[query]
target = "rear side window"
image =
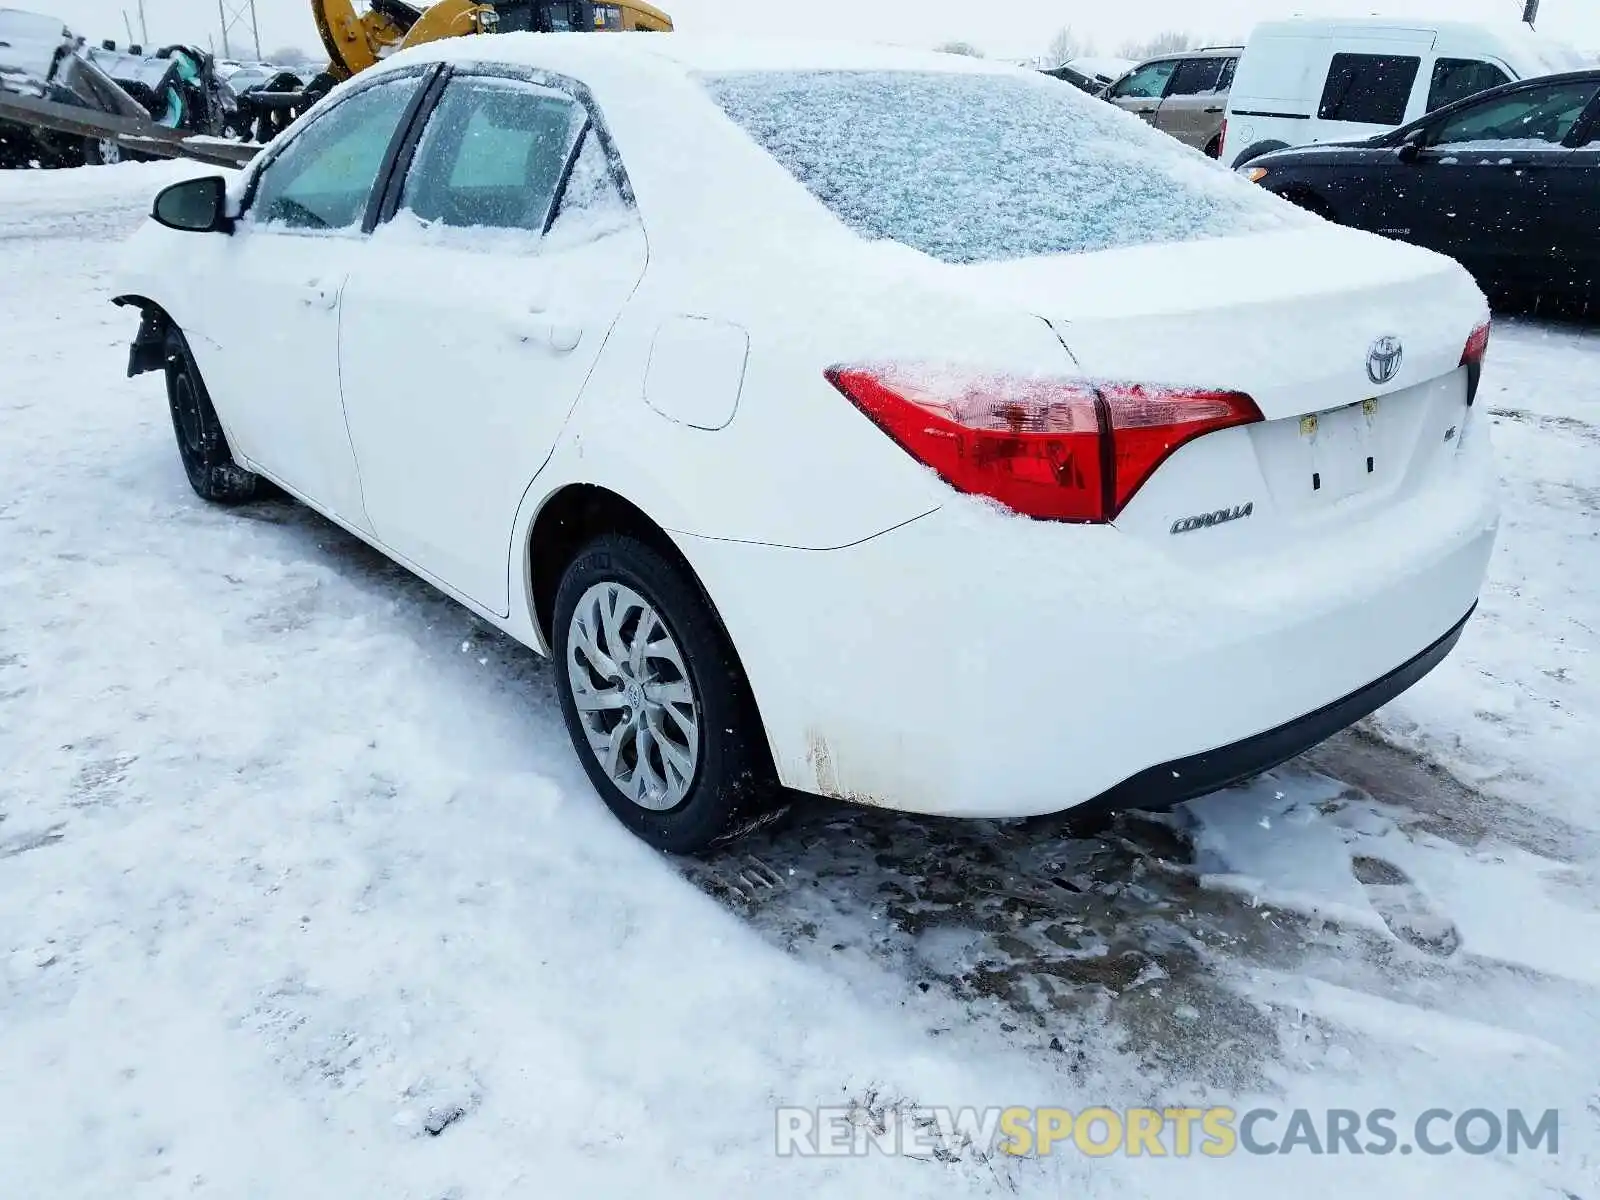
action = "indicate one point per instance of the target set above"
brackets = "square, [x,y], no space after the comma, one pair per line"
[492,155]
[1457,78]
[1196,77]
[1370,89]
[976,168]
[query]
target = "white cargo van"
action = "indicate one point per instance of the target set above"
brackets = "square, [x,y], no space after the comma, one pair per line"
[1304,80]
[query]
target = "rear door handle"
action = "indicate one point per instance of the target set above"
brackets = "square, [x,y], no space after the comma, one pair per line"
[319,293]
[543,329]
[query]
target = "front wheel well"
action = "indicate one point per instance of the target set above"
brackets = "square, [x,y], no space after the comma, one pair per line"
[1256,150]
[148,352]
[1307,198]
[574,516]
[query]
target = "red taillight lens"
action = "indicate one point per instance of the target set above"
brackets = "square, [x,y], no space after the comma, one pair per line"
[1477,345]
[1222,140]
[1053,449]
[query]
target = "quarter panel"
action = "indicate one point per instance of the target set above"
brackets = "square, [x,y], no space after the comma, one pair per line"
[797,464]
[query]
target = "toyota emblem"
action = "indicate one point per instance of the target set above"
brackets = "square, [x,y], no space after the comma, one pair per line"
[1384,358]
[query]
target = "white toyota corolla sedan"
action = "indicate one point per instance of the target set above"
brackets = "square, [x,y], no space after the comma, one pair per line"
[892,426]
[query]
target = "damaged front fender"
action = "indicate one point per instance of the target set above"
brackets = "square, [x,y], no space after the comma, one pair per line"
[148,352]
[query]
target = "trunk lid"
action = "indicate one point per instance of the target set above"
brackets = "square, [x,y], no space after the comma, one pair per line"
[1294,320]
[1288,318]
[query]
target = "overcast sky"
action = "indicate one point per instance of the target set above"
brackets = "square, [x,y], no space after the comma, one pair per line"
[1013,28]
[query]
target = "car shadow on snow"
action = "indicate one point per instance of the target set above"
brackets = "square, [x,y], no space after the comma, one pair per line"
[1069,935]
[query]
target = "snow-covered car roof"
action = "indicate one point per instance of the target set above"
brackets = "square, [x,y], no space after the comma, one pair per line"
[1101,68]
[695,52]
[732,144]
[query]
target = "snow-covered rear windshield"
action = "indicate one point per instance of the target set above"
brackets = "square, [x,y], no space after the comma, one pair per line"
[976,168]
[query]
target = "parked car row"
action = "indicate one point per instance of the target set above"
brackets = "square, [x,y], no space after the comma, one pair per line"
[1507,183]
[1304,81]
[1479,141]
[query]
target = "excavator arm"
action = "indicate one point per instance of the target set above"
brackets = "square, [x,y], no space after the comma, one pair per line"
[355,41]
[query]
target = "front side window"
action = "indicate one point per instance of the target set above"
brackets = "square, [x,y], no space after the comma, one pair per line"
[1196,77]
[1149,82]
[978,168]
[1533,117]
[1457,78]
[1370,89]
[324,177]
[492,155]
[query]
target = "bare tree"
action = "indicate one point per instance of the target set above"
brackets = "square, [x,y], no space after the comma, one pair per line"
[1173,41]
[966,48]
[1067,45]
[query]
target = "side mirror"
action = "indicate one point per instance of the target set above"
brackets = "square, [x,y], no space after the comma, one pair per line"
[1411,145]
[194,206]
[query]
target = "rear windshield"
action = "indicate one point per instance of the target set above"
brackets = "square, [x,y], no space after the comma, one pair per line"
[975,168]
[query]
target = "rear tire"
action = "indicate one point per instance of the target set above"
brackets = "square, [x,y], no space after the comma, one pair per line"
[202,445]
[656,701]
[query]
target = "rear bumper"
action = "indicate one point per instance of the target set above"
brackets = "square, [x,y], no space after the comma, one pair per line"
[1183,779]
[978,665]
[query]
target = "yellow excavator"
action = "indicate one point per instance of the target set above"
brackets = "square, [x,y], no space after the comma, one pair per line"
[355,41]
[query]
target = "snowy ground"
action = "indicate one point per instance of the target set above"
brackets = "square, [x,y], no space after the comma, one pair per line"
[302,892]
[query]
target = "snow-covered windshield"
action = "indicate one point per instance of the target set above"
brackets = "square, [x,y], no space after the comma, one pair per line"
[982,167]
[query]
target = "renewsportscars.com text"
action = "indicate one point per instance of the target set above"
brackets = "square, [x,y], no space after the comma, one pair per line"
[1163,1132]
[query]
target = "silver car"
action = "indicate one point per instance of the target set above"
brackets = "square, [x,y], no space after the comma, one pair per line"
[1185,95]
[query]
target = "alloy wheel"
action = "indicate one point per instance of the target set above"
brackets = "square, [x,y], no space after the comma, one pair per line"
[634,696]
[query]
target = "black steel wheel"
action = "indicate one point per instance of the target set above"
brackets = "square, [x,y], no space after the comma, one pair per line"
[202,445]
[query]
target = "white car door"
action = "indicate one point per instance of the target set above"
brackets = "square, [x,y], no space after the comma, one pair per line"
[274,372]
[472,319]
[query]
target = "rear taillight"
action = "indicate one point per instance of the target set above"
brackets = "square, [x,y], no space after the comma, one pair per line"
[1472,358]
[1477,345]
[1053,449]
[1222,139]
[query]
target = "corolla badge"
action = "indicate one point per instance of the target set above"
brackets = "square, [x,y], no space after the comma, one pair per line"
[1212,519]
[1384,358]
